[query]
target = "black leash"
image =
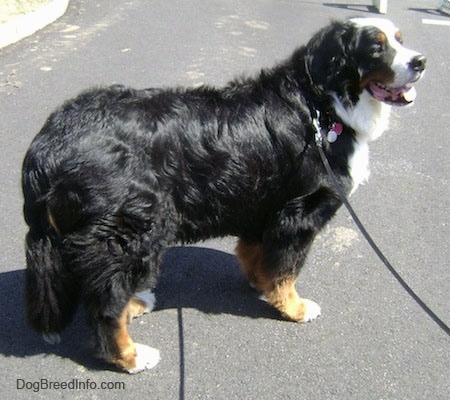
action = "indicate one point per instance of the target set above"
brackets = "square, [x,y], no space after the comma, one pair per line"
[181,389]
[417,299]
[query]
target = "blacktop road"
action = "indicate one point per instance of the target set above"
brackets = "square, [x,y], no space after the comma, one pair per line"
[217,339]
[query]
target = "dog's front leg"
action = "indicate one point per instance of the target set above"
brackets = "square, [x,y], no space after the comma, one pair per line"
[272,265]
[277,287]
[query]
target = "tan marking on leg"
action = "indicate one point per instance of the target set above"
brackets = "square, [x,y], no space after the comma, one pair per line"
[135,308]
[285,298]
[126,352]
[250,259]
[279,291]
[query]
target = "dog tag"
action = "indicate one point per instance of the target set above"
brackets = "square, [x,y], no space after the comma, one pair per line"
[334,132]
[332,136]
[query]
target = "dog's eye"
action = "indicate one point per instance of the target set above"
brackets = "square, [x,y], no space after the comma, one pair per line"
[379,44]
[399,37]
[376,50]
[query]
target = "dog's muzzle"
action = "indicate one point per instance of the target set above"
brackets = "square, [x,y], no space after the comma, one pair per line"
[401,95]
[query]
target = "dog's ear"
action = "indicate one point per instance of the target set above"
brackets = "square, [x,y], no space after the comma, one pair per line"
[328,58]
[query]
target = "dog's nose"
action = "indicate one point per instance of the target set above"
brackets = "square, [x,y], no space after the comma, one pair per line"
[418,63]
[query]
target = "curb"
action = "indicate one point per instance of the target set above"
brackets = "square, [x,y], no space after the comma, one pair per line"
[445,6]
[27,24]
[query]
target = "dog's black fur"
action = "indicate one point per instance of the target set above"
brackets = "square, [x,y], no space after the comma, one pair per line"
[117,175]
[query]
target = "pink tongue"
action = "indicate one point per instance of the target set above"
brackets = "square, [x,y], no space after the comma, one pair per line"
[408,93]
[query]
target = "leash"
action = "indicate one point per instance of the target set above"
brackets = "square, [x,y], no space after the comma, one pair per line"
[181,388]
[318,137]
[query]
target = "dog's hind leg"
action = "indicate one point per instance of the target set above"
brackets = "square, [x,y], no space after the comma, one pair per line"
[115,266]
[109,310]
[123,352]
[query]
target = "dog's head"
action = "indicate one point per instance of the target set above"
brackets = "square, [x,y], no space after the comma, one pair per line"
[364,54]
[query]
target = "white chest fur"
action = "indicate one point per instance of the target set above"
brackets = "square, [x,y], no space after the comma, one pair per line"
[358,165]
[369,118]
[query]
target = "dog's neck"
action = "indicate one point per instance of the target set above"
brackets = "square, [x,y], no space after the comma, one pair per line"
[368,117]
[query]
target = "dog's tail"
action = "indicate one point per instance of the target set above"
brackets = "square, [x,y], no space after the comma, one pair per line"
[51,292]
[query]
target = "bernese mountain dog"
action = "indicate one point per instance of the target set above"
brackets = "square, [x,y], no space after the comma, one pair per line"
[118,175]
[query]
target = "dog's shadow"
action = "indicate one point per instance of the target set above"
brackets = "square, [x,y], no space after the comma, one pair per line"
[191,277]
[207,280]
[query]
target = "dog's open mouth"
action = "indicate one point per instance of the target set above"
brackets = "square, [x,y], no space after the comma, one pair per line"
[395,96]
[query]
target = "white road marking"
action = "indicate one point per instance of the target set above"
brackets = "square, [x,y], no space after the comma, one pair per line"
[435,22]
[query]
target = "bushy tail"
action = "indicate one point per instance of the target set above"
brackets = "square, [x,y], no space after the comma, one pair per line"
[51,292]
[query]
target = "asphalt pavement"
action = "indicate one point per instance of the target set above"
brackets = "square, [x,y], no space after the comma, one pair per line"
[217,339]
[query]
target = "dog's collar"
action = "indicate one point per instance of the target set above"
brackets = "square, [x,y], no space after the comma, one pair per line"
[315,89]
[331,132]
[333,129]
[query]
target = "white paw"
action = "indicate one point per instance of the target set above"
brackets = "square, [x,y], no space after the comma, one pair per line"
[148,298]
[146,358]
[51,338]
[312,310]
